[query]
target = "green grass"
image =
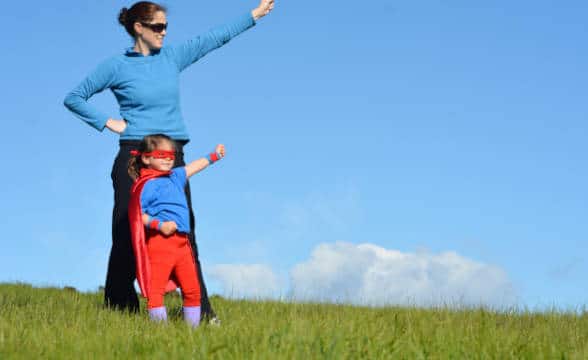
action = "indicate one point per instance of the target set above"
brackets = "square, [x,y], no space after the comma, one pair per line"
[53,323]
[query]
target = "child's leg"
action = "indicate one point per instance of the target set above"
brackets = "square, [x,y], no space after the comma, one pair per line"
[185,271]
[161,259]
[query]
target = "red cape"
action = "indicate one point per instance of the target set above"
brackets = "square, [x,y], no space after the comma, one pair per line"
[143,267]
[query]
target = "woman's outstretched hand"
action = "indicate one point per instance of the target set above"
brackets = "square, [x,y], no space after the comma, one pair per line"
[264,8]
[116,126]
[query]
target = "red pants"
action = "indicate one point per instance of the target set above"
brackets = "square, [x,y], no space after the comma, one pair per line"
[167,256]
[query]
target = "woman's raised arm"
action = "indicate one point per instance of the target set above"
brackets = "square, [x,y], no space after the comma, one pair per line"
[190,51]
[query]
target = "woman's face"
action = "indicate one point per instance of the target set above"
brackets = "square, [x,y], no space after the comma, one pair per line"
[150,34]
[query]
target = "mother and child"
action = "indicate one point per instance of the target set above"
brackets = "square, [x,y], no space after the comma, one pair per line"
[145,83]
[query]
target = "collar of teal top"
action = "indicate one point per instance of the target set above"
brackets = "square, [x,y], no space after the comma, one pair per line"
[132,53]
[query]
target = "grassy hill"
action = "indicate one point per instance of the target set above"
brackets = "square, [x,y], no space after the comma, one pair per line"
[54,323]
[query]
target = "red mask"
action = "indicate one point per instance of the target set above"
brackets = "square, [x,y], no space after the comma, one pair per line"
[158,154]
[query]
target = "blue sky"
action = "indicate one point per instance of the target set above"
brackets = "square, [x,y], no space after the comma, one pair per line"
[416,127]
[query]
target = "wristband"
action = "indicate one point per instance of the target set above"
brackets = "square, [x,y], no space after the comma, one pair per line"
[213,157]
[154,224]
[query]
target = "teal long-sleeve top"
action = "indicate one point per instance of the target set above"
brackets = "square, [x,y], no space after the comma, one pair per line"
[147,87]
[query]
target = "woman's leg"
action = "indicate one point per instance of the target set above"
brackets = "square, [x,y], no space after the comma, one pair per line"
[119,292]
[206,306]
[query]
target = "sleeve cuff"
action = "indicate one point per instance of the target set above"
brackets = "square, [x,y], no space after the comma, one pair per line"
[100,125]
[249,20]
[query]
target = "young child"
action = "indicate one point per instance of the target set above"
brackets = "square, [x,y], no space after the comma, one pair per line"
[159,220]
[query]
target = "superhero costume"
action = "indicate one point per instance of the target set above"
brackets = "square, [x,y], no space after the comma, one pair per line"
[138,236]
[163,262]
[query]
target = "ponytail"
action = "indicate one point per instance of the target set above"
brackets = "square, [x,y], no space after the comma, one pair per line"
[134,168]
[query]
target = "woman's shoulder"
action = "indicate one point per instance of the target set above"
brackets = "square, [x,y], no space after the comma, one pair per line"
[111,63]
[168,50]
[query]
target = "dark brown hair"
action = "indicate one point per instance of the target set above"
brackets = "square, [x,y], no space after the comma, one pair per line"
[148,144]
[142,11]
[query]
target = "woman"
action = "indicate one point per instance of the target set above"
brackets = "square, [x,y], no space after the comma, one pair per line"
[145,82]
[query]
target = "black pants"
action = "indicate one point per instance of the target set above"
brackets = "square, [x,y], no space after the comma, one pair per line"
[119,291]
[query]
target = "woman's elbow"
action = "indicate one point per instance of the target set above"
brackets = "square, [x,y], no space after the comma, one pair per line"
[70,100]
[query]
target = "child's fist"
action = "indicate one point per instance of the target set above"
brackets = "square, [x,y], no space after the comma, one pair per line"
[168,228]
[220,150]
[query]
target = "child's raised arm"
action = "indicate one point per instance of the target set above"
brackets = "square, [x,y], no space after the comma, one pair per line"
[200,164]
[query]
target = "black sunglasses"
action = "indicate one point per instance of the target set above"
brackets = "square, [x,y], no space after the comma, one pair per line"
[159,27]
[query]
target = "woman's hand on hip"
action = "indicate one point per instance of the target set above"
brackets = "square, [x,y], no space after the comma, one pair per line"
[116,126]
[264,8]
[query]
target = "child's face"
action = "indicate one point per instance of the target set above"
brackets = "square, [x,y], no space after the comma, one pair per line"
[157,163]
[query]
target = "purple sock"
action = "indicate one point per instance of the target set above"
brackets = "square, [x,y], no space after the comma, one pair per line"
[158,314]
[192,315]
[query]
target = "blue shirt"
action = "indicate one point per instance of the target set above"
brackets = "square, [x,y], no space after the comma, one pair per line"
[163,198]
[147,87]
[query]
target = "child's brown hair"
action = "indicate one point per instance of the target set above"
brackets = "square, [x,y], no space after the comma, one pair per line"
[148,144]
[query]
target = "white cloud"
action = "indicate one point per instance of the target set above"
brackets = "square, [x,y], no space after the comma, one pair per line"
[367,274]
[246,281]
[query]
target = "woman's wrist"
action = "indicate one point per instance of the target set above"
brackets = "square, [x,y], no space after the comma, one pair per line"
[256,14]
